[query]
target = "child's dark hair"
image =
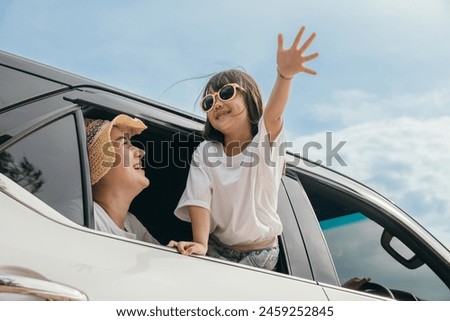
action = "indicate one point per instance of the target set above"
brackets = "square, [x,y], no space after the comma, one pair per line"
[252,98]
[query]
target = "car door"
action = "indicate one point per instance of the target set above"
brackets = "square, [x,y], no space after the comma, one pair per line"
[367,236]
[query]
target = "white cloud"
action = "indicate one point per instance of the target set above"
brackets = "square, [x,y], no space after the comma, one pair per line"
[355,106]
[425,9]
[405,159]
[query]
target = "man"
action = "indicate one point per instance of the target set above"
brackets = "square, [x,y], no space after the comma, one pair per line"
[117,175]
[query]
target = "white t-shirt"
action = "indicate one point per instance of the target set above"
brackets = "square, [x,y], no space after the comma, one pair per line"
[134,228]
[241,192]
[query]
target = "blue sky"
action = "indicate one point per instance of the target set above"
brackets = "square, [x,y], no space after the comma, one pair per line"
[383,83]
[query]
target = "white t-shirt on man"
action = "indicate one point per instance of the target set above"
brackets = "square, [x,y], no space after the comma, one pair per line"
[241,192]
[134,228]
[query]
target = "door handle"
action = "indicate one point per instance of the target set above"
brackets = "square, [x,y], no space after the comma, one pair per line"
[45,289]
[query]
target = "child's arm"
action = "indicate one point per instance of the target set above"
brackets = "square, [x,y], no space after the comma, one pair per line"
[290,62]
[200,218]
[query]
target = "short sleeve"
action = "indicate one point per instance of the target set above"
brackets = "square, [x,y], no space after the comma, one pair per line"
[198,191]
[278,146]
[263,135]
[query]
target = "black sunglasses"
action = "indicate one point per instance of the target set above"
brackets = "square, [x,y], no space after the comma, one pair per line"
[225,93]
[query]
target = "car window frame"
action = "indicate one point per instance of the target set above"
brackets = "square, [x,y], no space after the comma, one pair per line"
[321,262]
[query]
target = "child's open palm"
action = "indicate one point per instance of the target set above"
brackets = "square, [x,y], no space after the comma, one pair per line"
[291,61]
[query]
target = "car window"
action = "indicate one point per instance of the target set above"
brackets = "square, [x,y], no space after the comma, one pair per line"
[47,164]
[354,241]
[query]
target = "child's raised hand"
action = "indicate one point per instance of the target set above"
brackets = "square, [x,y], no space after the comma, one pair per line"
[290,61]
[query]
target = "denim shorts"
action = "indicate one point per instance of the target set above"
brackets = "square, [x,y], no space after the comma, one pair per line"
[264,258]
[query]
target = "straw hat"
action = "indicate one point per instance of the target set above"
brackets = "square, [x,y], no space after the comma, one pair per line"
[100,148]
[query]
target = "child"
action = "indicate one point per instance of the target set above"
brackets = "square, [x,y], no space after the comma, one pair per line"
[232,189]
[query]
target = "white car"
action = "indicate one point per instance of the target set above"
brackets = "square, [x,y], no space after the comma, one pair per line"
[334,227]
